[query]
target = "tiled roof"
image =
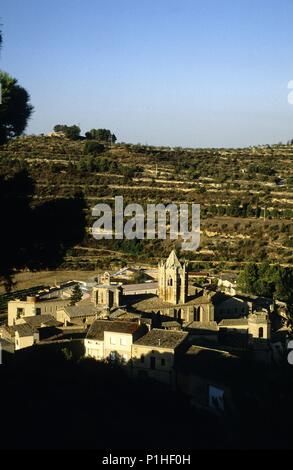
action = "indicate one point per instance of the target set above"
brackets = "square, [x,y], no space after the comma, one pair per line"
[234,322]
[140,287]
[170,324]
[83,309]
[150,303]
[98,328]
[162,338]
[23,330]
[197,325]
[41,320]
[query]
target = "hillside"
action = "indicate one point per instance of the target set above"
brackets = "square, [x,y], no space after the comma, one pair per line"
[246,196]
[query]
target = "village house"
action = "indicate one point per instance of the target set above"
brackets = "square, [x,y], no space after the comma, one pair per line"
[82,314]
[154,353]
[228,283]
[33,306]
[20,336]
[171,305]
[112,339]
[205,374]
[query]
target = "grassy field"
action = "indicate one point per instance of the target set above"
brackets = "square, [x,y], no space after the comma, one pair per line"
[26,280]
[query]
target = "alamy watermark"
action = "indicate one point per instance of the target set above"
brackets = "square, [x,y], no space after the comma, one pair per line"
[181,221]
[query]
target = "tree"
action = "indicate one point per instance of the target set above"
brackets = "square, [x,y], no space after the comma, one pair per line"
[71,132]
[76,295]
[15,109]
[248,278]
[94,148]
[101,135]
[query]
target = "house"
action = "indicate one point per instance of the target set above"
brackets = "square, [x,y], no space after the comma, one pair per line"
[228,283]
[113,339]
[204,374]
[46,325]
[33,306]
[153,354]
[84,313]
[256,325]
[59,134]
[21,336]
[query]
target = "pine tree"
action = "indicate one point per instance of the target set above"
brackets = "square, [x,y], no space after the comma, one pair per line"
[76,295]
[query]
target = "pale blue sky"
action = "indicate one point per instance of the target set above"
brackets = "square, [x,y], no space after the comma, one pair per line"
[169,72]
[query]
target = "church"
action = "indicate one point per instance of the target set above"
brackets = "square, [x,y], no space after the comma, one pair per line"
[173,298]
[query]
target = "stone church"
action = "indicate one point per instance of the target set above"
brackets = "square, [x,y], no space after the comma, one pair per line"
[173,298]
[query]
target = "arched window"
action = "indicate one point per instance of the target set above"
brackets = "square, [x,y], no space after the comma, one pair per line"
[170,282]
[260,332]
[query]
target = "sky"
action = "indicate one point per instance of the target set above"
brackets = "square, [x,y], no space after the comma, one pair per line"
[190,73]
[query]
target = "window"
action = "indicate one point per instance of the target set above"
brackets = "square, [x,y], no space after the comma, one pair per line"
[19,312]
[38,311]
[123,342]
[260,333]
[112,340]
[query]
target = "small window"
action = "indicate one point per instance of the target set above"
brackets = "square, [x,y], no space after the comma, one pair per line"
[19,312]
[260,333]
[123,342]
[112,340]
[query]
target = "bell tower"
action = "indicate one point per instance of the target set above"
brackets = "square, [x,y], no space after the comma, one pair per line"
[173,280]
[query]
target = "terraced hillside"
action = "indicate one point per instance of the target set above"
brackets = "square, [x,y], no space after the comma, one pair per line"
[246,196]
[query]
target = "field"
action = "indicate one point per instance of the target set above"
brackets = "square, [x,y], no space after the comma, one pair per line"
[246,197]
[26,280]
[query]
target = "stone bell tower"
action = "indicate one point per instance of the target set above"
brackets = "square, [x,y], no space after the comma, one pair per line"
[173,280]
